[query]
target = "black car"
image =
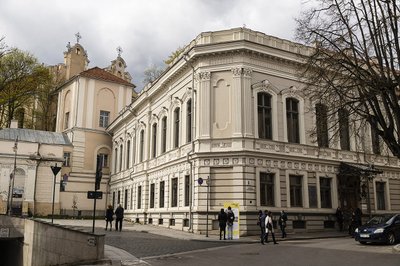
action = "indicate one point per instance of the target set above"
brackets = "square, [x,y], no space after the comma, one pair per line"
[380,229]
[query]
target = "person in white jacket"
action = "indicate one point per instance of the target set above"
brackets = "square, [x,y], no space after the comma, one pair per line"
[269,227]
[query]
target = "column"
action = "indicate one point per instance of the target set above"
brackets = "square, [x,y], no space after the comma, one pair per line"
[247,104]
[204,106]
[237,102]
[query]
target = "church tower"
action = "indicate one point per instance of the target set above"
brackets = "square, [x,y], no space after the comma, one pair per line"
[118,67]
[75,59]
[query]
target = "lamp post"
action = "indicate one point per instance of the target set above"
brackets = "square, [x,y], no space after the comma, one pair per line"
[12,178]
[55,169]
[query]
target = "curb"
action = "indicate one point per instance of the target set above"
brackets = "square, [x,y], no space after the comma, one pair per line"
[396,248]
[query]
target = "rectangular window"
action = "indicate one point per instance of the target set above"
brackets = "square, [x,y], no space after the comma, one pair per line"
[312,196]
[292,120]
[119,197]
[380,195]
[126,199]
[141,151]
[139,197]
[162,193]
[264,110]
[322,125]
[325,191]
[176,127]
[189,121]
[66,120]
[164,135]
[104,118]
[296,195]
[267,189]
[120,157]
[113,199]
[152,193]
[115,160]
[128,154]
[344,131]
[174,192]
[187,190]
[376,147]
[154,141]
[67,159]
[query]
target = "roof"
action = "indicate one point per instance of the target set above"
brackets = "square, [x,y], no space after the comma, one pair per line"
[37,136]
[101,74]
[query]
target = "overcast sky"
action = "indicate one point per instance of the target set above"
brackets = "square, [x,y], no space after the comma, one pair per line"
[148,31]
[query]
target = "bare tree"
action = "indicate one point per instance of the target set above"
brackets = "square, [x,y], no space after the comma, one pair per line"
[152,73]
[354,61]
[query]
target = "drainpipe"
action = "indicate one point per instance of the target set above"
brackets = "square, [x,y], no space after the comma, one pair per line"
[192,149]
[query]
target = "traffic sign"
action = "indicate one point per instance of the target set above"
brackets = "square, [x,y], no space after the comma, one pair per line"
[95,194]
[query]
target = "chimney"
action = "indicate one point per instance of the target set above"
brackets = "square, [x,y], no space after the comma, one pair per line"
[14,124]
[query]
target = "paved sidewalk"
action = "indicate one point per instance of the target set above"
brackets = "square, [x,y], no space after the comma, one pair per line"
[116,256]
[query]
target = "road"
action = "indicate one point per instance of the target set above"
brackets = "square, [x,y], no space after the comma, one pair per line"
[326,252]
[157,250]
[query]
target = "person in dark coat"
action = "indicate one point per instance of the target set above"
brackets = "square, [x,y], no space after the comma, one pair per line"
[282,223]
[109,216]
[119,214]
[222,218]
[339,218]
[261,223]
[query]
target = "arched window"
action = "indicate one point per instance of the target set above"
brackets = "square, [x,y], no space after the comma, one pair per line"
[264,110]
[322,125]
[176,127]
[292,119]
[344,131]
[189,121]
[164,134]
[376,146]
[141,145]
[128,154]
[154,141]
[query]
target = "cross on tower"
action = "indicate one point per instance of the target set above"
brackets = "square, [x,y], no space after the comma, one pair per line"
[119,50]
[78,37]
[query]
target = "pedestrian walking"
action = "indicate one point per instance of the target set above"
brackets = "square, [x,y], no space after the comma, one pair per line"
[282,223]
[261,223]
[269,227]
[231,219]
[109,216]
[119,214]
[339,218]
[222,219]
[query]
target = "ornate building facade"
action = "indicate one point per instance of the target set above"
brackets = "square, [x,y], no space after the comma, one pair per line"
[230,111]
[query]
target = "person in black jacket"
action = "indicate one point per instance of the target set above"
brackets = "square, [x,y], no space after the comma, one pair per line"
[222,218]
[339,218]
[282,223]
[109,216]
[119,214]
[261,223]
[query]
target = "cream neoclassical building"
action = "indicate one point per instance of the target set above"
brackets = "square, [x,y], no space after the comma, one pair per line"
[230,110]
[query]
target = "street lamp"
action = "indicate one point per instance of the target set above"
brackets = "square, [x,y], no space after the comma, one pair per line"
[12,178]
[55,170]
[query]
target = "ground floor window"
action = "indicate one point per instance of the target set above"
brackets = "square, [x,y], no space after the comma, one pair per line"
[296,195]
[267,185]
[380,195]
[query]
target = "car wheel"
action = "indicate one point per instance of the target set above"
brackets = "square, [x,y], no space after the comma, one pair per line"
[391,239]
[363,242]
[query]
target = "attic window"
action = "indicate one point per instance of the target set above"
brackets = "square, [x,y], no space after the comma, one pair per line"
[119,64]
[78,51]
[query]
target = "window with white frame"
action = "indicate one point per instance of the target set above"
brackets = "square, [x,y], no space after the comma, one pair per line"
[162,194]
[67,159]
[189,120]
[322,125]
[174,192]
[164,135]
[104,118]
[103,159]
[154,141]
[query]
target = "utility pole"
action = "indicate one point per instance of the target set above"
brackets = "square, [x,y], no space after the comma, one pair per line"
[12,178]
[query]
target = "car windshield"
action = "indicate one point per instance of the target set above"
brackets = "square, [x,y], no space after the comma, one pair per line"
[381,220]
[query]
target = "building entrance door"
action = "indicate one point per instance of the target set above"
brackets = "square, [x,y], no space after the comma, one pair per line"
[349,196]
